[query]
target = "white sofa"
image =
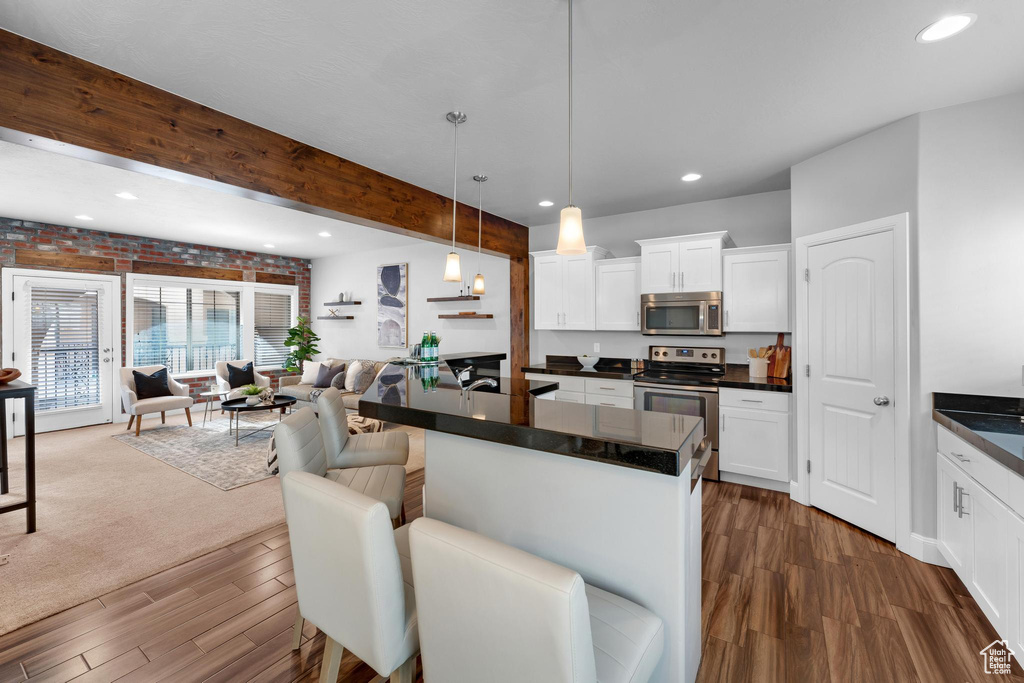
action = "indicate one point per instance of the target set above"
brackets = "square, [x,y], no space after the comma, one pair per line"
[136,407]
[221,370]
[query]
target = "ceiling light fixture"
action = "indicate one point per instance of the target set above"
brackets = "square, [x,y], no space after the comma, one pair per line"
[570,227]
[478,281]
[268,246]
[690,177]
[452,267]
[83,217]
[946,27]
[125,195]
[324,234]
[546,203]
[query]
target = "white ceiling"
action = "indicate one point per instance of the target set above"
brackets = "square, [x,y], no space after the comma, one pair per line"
[47,187]
[738,90]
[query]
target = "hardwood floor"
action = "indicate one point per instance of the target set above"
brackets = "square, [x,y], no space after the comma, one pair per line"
[790,594]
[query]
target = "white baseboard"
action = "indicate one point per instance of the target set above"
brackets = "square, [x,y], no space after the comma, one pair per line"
[925,549]
[756,482]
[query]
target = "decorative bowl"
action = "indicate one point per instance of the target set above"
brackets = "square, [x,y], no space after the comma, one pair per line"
[588,362]
[9,375]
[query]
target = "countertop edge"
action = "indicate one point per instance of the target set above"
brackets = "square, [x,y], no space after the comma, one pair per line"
[724,382]
[1001,456]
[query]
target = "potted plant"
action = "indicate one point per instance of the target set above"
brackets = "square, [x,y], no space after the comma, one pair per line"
[252,394]
[302,340]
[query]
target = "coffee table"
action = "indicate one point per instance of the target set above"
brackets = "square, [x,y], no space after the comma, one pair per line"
[237,406]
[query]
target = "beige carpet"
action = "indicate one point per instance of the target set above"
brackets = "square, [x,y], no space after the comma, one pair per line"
[108,515]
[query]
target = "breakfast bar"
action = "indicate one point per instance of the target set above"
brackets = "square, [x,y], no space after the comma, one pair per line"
[612,493]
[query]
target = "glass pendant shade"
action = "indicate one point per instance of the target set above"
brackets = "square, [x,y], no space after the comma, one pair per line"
[452,268]
[570,232]
[478,284]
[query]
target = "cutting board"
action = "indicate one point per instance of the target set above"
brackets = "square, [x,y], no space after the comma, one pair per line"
[778,362]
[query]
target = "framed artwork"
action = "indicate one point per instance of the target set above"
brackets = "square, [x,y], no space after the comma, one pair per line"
[392,305]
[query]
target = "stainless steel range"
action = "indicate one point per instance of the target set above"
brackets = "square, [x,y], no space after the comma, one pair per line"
[683,380]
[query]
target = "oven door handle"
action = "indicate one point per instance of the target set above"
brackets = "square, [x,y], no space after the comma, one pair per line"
[678,388]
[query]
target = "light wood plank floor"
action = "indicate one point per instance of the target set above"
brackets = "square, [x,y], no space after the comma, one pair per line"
[790,594]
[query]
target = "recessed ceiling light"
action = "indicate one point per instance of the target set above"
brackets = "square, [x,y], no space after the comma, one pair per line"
[324,234]
[546,203]
[83,217]
[945,28]
[125,195]
[268,246]
[690,177]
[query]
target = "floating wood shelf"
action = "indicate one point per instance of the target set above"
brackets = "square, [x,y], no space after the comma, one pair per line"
[456,316]
[344,303]
[335,317]
[468,297]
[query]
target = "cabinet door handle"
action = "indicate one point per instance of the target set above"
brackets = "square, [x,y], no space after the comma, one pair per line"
[954,496]
[723,423]
[959,457]
[608,404]
[673,280]
[681,280]
[960,503]
[750,400]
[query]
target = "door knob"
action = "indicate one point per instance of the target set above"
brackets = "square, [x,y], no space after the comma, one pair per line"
[881,400]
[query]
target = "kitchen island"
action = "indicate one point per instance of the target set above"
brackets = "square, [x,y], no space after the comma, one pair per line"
[612,493]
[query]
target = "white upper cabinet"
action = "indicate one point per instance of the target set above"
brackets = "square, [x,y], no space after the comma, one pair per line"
[687,263]
[564,290]
[755,289]
[618,294]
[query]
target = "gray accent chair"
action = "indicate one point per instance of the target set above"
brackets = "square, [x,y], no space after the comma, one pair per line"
[136,407]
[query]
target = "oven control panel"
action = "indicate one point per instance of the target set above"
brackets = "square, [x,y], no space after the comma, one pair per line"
[688,354]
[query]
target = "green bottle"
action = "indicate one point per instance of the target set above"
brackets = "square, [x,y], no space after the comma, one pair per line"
[424,350]
[434,343]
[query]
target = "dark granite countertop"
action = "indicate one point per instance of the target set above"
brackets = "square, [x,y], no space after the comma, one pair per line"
[994,425]
[737,376]
[477,356]
[577,370]
[430,398]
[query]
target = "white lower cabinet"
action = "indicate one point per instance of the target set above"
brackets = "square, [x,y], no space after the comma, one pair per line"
[980,535]
[753,433]
[615,393]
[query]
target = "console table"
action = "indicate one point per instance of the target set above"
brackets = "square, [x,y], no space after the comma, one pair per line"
[14,390]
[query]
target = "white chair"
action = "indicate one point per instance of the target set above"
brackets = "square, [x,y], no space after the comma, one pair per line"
[352,575]
[221,369]
[136,407]
[490,612]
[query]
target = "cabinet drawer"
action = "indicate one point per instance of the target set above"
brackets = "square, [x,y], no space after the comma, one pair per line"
[565,383]
[613,401]
[610,387]
[757,400]
[571,396]
[979,466]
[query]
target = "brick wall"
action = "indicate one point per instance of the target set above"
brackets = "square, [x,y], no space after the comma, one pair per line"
[125,249]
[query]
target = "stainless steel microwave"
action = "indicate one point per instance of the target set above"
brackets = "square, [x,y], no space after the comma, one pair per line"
[682,313]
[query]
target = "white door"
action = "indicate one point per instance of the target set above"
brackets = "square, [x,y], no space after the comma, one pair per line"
[618,295]
[851,349]
[659,268]
[951,536]
[755,291]
[700,266]
[547,292]
[64,331]
[577,292]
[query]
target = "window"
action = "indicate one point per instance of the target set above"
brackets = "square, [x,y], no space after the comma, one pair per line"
[272,320]
[185,328]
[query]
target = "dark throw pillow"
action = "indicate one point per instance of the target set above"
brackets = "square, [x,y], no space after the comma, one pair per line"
[151,386]
[240,376]
[327,374]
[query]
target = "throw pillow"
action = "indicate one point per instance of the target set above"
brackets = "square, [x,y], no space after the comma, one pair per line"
[151,386]
[240,376]
[310,371]
[354,368]
[339,381]
[326,375]
[366,377]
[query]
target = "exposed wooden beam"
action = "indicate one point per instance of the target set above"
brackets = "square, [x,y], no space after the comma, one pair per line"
[56,259]
[54,95]
[176,270]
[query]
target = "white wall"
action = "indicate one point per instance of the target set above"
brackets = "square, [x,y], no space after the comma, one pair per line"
[356,272]
[751,220]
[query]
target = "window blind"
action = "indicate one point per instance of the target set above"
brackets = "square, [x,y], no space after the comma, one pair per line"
[273,319]
[185,328]
[65,347]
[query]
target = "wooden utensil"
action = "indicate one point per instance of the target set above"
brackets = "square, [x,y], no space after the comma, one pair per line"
[778,364]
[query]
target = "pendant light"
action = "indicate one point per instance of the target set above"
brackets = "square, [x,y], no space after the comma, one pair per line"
[570,228]
[478,281]
[452,267]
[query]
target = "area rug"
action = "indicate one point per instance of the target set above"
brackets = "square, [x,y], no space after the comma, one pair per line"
[209,453]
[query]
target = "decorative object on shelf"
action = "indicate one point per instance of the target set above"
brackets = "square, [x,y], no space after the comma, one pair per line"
[452,267]
[570,227]
[9,375]
[478,280]
[392,311]
[303,342]
[332,311]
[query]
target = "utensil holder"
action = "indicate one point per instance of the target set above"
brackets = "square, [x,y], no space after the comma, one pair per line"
[758,368]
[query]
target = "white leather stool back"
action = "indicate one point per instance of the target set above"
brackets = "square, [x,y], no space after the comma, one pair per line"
[347,570]
[490,612]
[300,447]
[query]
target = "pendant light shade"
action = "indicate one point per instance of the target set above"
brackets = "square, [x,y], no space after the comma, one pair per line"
[452,266]
[570,228]
[478,281]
